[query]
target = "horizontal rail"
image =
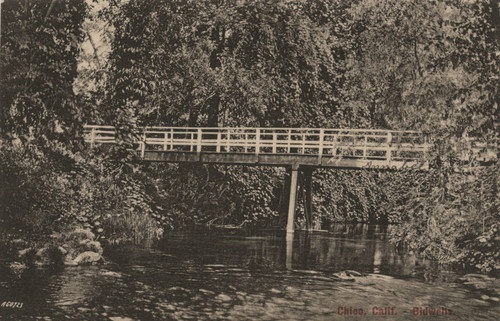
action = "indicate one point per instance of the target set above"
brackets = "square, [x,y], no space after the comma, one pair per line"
[161,128]
[358,144]
[366,144]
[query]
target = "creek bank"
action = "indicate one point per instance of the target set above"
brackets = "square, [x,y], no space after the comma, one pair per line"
[77,247]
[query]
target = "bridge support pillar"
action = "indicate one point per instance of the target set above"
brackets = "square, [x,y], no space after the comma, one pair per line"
[293,199]
[307,188]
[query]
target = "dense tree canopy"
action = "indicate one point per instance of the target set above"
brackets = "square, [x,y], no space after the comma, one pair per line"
[425,65]
[428,65]
[40,45]
[230,63]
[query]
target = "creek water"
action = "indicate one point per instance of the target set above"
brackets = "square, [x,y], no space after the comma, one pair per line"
[350,273]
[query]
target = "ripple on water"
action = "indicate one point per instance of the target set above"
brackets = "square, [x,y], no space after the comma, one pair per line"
[199,285]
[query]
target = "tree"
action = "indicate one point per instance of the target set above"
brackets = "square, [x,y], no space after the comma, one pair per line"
[224,63]
[40,43]
[433,66]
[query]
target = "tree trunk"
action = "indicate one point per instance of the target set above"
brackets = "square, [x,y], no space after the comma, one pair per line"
[495,19]
[193,118]
[213,111]
[218,37]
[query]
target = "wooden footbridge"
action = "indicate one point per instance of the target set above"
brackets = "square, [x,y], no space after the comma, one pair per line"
[293,148]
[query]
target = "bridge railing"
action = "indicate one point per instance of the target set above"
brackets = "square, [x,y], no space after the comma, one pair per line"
[342,143]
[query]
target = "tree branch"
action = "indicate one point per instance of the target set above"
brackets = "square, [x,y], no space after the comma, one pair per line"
[94,48]
[495,19]
[416,57]
[52,3]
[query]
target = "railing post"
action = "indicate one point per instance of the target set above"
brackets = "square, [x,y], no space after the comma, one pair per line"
[303,143]
[274,143]
[191,143]
[246,143]
[143,147]
[364,146]
[171,139]
[321,140]
[289,141]
[198,141]
[92,137]
[334,145]
[389,147]
[165,135]
[217,146]
[228,136]
[257,141]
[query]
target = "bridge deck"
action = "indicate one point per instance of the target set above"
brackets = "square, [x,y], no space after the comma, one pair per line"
[341,148]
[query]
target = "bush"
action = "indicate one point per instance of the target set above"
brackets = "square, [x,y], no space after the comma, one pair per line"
[453,217]
[40,197]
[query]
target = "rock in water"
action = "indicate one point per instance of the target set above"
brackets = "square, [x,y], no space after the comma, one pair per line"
[17,268]
[87,257]
[94,246]
[69,262]
[62,250]
[42,257]
[223,297]
[111,273]
[354,273]
[27,255]
[343,276]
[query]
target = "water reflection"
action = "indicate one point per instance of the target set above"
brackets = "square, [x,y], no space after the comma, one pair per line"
[348,247]
[360,247]
[236,276]
[289,249]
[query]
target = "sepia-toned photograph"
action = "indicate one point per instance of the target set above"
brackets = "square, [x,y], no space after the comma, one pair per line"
[250,160]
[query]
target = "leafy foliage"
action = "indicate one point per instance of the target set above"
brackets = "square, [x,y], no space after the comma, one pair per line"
[433,66]
[454,218]
[40,43]
[223,63]
[39,198]
[395,64]
[216,195]
[48,183]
